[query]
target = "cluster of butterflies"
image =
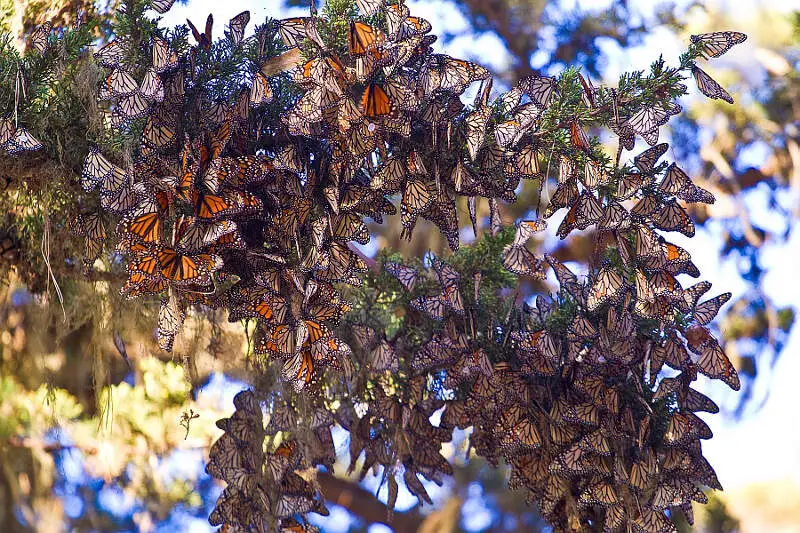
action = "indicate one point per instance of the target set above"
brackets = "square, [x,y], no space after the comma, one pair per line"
[16,139]
[594,432]
[265,487]
[217,209]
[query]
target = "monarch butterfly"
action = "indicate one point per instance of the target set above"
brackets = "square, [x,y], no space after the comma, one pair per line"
[292,31]
[648,159]
[566,170]
[717,43]
[369,7]
[7,130]
[237,26]
[524,434]
[375,102]
[170,320]
[646,120]
[383,357]
[673,217]
[583,413]
[38,39]
[645,207]
[111,54]
[614,217]
[161,6]
[506,133]
[22,141]
[211,206]
[693,293]
[684,427]
[589,92]
[416,198]
[705,312]
[131,108]
[607,286]
[650,520]
[407,276]
[433,306]
[157,135]
[709,87]
[178,267]
[260,91]
[565,195]
[676,183]
[599,493]
[594,175]
[402,26]
[695,401]
[526,229]
[475,126]
[350,226]
[578,137]
[299,370]
[589,210]
[444,73]
[144,223]
[541,89]
[312,33]
[527,162]
[642,470]
[152,87]
[194,236]
[566,278]
[203,39]
[164,58]
[91,227]
[98,171]
[631,183]
[117,84]
[363,38]
[266,306]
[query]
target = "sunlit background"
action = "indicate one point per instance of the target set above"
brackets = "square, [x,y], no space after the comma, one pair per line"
[756,444]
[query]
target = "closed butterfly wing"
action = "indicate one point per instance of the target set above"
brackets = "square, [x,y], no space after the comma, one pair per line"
[292,31]
[162,6]
[607,286]
[475,129]
[647,160]
[170,320]
[709,87]
[717,43]
[164,57]
[22,141]
[111,54]
[521,261]
[237,26]
[152,88]
[375,102]
[705,312]
[370,7]
[39,38]
[407,276]
[260,91]
[673,217]
[541,89]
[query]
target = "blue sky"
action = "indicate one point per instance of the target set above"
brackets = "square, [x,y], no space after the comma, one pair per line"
[764,445]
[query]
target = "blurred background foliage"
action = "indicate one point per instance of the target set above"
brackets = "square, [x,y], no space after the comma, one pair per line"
[90,440]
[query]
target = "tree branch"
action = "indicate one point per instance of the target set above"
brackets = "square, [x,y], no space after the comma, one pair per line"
[365,505]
